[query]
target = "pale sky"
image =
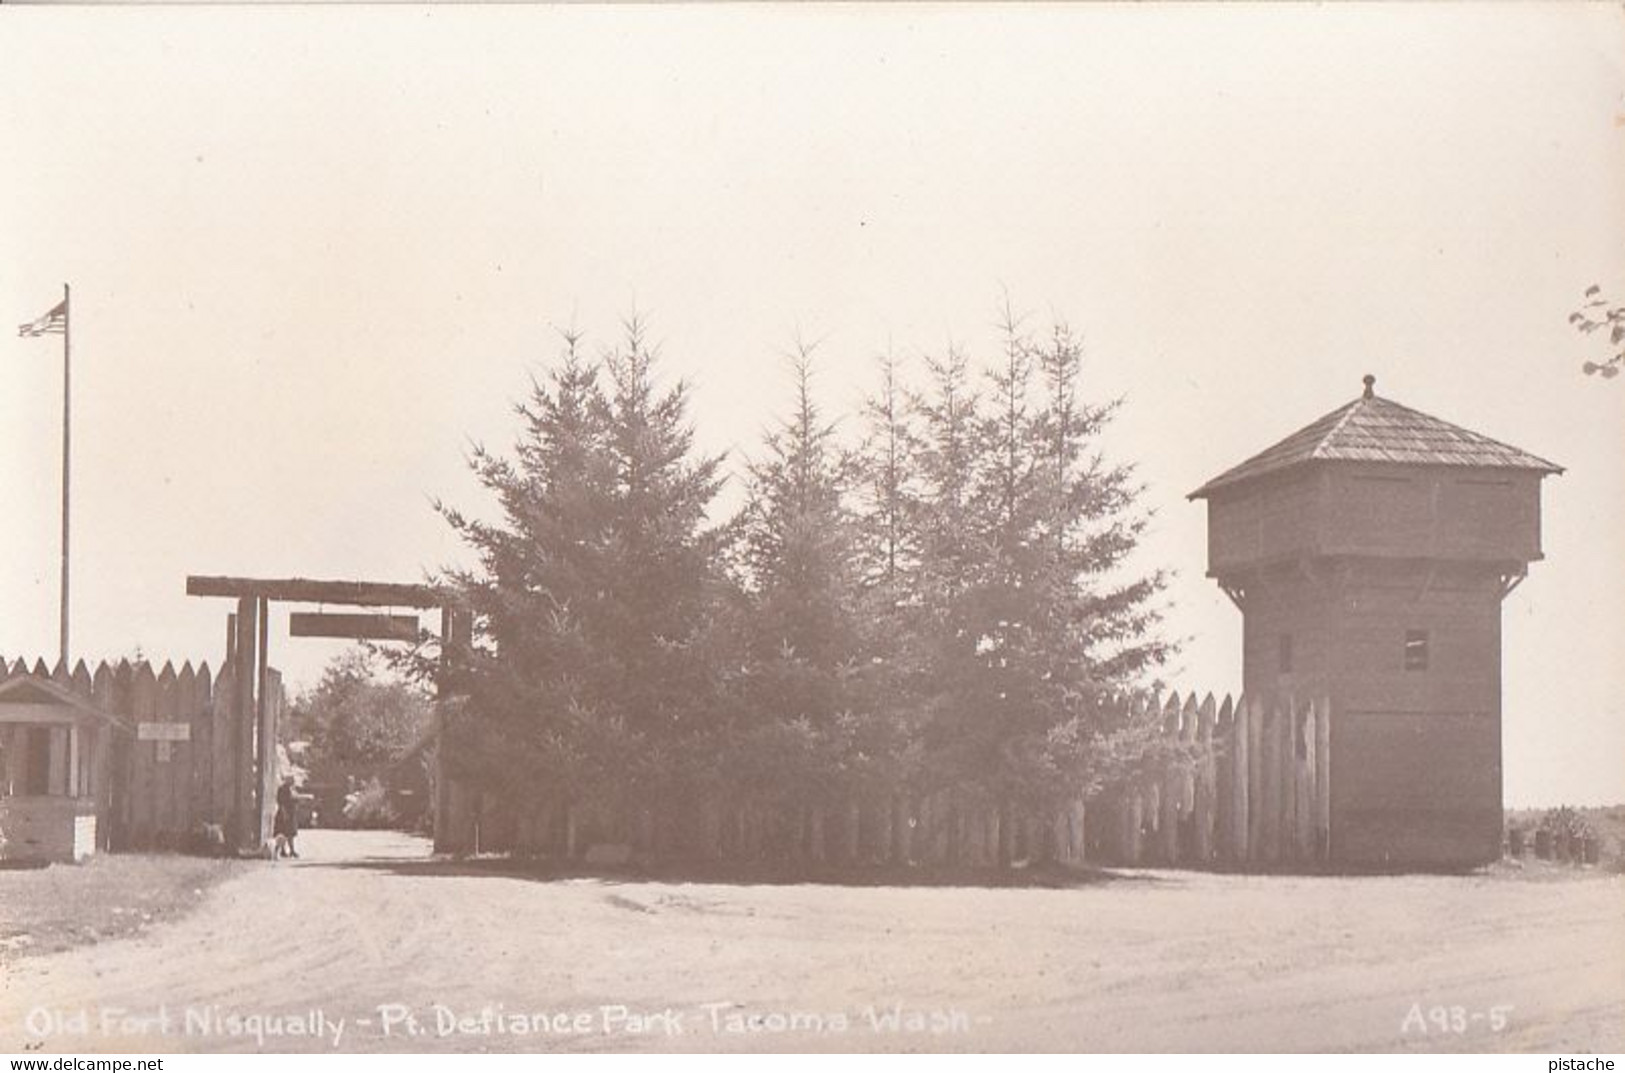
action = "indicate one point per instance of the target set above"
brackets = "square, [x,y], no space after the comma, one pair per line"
[315,250]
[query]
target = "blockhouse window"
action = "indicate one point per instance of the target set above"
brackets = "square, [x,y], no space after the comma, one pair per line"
[1285,653]
[1416,650]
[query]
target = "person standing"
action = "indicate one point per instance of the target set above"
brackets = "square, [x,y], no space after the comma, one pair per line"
[286,824]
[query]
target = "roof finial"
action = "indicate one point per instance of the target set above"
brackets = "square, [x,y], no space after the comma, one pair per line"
[1370,386]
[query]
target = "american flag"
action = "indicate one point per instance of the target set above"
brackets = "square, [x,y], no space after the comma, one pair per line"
[53,323]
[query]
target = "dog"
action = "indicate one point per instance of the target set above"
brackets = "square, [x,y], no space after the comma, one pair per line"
[209,839]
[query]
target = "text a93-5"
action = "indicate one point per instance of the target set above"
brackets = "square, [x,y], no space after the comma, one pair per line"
[1457,1020]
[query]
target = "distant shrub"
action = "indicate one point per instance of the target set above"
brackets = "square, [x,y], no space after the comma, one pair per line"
[370,807]
[1564,821]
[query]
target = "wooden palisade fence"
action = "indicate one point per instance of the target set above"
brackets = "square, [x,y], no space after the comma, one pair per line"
[1258,792]
[1247,786]
[162,789]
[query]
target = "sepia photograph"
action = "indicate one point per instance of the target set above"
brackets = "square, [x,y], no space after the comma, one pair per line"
[972,527]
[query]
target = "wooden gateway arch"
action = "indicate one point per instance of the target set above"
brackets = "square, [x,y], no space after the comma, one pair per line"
[253,702]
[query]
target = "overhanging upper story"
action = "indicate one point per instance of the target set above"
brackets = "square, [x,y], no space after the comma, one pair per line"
[1375,479]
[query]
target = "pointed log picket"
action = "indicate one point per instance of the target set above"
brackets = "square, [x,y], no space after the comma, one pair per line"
[81,680]
[1206,788]
[1289,780]
[1306,787]
[143,690]
[194,769]
[165,793]
[1224,799]
[1170,790]
[1323,780]
[1275,722]
[223,746]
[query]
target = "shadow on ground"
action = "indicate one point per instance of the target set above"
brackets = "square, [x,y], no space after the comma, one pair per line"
[754,874]
[409,855]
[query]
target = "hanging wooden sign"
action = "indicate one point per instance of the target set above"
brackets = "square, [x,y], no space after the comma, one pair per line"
[353,626]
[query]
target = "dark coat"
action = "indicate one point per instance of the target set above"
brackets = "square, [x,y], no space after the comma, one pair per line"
[287,812]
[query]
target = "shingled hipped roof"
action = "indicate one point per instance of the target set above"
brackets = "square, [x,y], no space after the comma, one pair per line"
[1374,429]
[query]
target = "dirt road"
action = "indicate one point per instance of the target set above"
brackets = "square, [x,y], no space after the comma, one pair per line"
[364,946]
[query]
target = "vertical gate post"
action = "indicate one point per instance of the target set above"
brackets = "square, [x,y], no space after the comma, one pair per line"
[265,719]
[244,816]
[453,823]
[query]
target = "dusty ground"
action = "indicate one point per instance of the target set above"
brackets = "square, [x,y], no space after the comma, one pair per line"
[366,932]
[43,910]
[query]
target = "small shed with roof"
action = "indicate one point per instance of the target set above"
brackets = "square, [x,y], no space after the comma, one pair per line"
[55,770]
[1369,553]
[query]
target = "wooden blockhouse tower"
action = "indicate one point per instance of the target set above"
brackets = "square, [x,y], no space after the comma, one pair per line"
[1369,553]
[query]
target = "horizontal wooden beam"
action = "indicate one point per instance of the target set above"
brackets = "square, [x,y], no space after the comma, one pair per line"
[353,627]
[308,591]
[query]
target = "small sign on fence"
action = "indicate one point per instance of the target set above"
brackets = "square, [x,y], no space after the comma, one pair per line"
[163,731]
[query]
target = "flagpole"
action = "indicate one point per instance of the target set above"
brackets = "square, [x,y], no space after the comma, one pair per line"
[67,351]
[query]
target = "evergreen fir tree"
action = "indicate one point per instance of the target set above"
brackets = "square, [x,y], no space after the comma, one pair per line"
[594,593]
[1033,619]
[941,610]
[804,627]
